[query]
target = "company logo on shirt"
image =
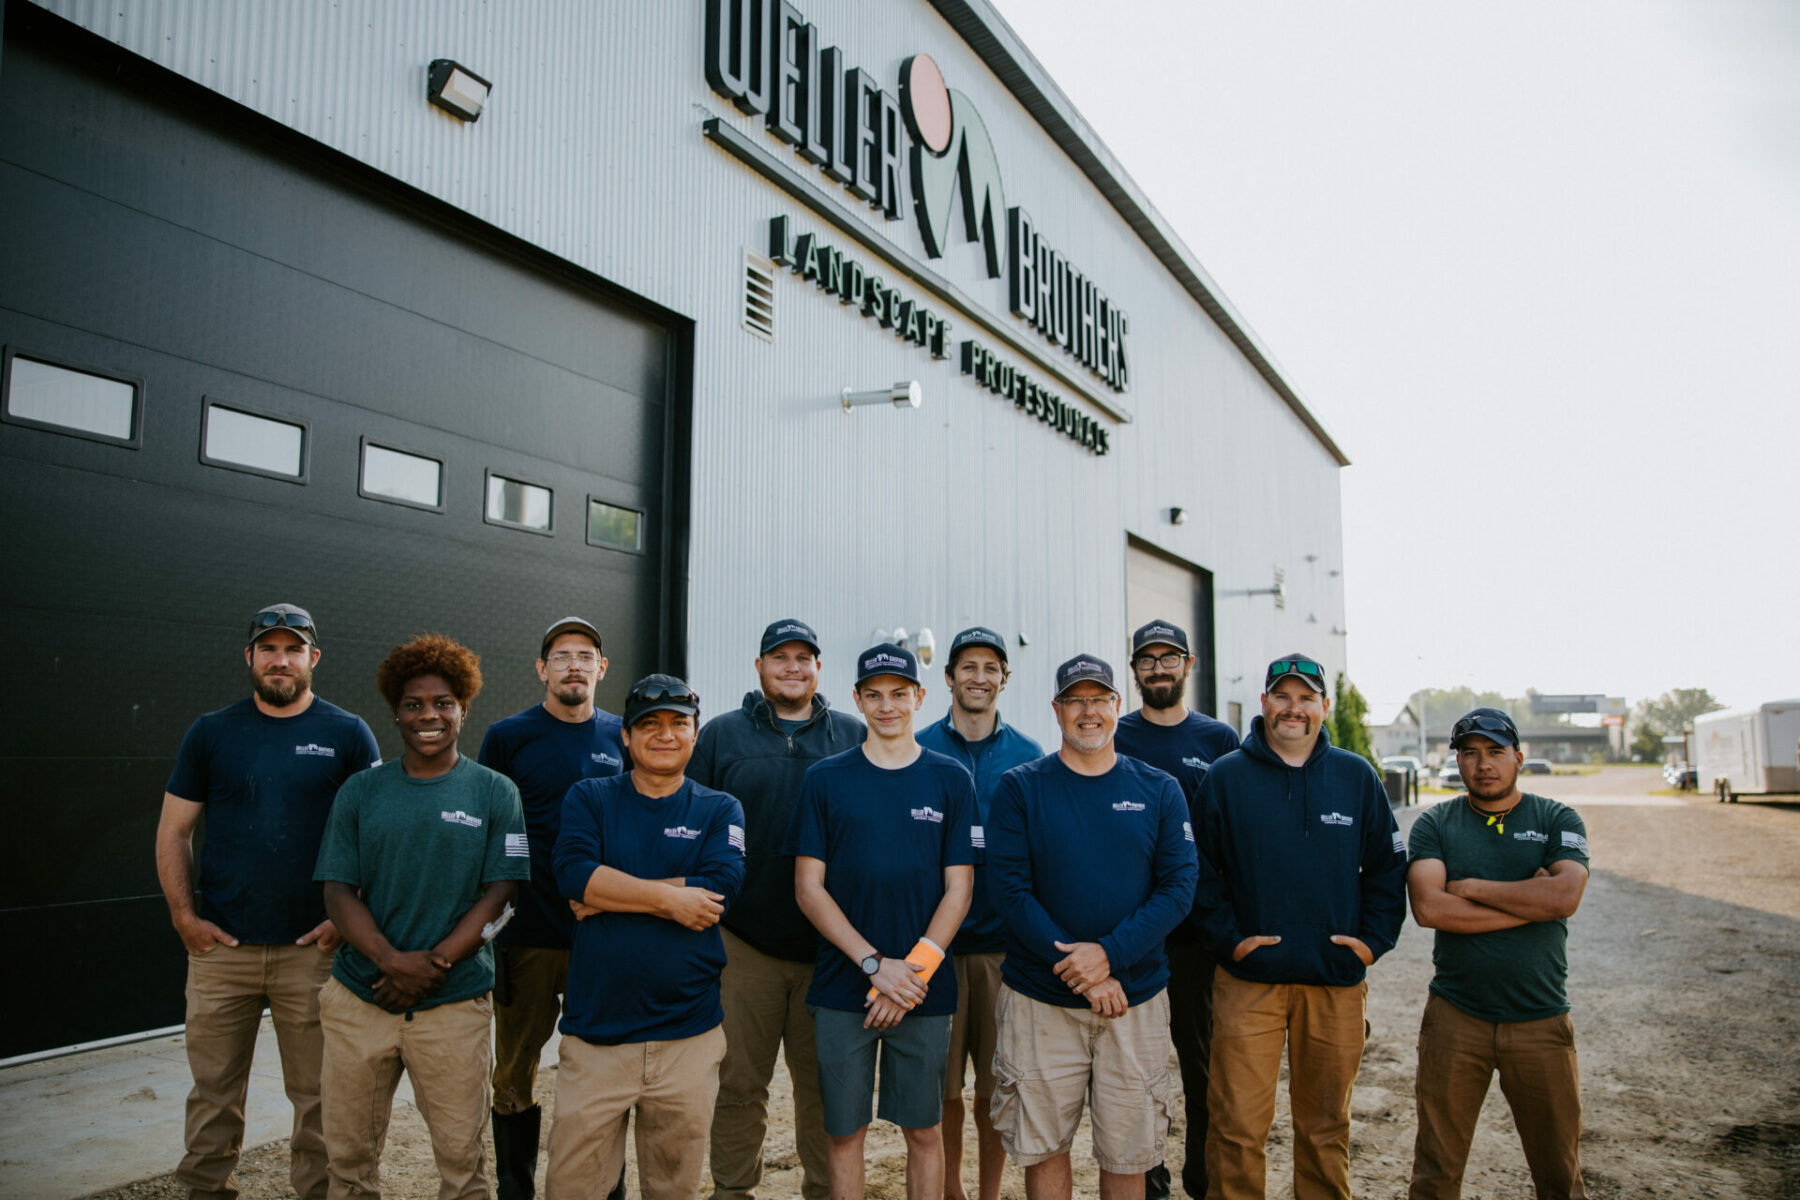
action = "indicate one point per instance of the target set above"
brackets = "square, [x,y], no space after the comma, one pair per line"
[1128,806]
[1193,762]
[1187,831]
[459,817]
[1574,841]
[602,757]
[1530,835]
[928,813]
[516,846]
[978,837]
[734,834]
[1336,818]
[314,750]
[681,831]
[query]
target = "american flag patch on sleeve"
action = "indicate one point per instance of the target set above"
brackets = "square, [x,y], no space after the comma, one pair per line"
[516,846]
[1399,845]
[1187,830]
[978,837]
[1574,841]
[735,835]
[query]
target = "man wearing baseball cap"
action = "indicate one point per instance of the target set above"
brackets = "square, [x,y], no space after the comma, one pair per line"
[1170,737]
[974,735]
[1498,873]
[544,750]
[759,752]
[649,861]
[1301,873]
[264,771]
[1092,862]
[884,846]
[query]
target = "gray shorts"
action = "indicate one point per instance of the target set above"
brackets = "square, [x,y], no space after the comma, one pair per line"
[912,1069]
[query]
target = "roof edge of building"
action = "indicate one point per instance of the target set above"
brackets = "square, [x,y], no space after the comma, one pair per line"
[987,33]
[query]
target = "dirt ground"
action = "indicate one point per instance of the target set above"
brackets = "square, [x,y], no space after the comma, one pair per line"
[1685,980]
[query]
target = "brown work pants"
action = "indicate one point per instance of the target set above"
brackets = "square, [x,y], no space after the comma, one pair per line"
[1458,1056]
[446,1051]
[765,1010]
[670,1085]
[524,1018]
[227,988]
[1323,1028]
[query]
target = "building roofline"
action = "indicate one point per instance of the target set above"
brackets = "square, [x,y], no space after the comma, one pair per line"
[988,34]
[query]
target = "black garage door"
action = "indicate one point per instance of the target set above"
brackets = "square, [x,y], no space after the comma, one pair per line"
[242,371]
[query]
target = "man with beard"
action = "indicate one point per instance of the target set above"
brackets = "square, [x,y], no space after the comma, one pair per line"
[1498,874]
[1093,865]
[264,771]
[974,735]
[544,750]
[1301,873]
[1170,737]
[759,754]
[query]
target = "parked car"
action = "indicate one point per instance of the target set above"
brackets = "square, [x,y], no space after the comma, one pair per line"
[1538,766]
[1450,776]
[1684,776]
[1404,762]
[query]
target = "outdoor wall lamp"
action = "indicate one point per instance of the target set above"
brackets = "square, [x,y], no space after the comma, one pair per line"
[456,89]
[907,394]
[1178,516]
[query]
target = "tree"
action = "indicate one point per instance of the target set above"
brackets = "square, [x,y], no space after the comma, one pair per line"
[1667,715]
[1349,730]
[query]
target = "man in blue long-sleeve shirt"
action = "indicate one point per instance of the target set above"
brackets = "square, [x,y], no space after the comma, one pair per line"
[1091,863]
[1302,881]
[649,861]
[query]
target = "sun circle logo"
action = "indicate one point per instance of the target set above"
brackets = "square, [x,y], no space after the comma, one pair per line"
[925,102]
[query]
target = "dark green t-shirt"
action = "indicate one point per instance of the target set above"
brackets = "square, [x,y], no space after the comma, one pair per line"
[1505,975]
[420,850]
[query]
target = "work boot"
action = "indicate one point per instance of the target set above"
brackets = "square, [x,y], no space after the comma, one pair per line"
[516,1152]
[1156,1182]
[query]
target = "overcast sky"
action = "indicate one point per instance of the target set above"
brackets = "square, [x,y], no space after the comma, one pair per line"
[1537,267]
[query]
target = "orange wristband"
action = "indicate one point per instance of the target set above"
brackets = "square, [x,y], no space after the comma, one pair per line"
[925,955]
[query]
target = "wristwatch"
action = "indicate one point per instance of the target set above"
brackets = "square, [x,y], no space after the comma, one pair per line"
[872,964]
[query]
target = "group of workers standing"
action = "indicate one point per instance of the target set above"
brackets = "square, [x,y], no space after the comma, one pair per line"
[887,906]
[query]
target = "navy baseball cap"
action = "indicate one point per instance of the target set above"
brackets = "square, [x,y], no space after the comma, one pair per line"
[660,693]
[570,625]
[789,630]
[1159,633]
[1307,670]
[1490,723]
[284,616]
[887,659]
[1085,667]
[978,635]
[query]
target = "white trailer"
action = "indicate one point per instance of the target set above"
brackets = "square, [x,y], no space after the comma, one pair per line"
[1749,751]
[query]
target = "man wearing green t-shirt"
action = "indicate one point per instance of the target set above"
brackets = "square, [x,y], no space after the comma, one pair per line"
[1497,873]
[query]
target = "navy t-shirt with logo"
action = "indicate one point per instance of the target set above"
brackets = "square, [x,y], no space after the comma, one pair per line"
[545,756]
[267,784]
[1184,751]
[885,837]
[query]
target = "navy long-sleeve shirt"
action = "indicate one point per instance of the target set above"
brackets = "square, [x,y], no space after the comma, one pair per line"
[634,977]
[1089,858]
[1300,853]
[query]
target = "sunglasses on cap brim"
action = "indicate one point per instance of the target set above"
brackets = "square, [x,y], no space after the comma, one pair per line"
[664,691]
[277,620]
[1485,725]
[1295,666]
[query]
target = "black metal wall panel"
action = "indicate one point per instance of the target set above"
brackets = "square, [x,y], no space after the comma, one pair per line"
[149,230]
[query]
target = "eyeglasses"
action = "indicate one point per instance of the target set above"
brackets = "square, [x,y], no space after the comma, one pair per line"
[1294,666]
[585,659]
[1167,662]
[1083,703]
[1483,724]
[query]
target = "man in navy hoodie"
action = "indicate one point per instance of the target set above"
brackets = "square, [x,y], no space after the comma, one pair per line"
[1302,882]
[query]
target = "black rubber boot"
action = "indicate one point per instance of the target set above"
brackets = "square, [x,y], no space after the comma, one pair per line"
[516,1153]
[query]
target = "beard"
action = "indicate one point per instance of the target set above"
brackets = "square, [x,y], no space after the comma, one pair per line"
[572,695]
[1498,790]
[279,691]
[1163,694]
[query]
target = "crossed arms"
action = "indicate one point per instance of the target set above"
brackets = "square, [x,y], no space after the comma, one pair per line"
[1484,905]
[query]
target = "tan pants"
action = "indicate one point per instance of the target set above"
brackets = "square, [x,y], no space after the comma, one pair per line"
[1323,1028]
[671,1085]
[765,1010]
[445,1051]
[973,1034]
[227,988]
[536,977]
[1458,1055]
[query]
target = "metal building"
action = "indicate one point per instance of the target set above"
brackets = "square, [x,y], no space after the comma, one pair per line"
[464,316]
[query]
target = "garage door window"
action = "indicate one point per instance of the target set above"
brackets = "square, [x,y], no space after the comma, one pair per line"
[70,399]
[245,441]
[401,477]
[610,525]
[518,504]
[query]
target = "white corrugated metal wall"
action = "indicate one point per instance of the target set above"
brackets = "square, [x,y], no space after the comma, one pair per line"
[963,511]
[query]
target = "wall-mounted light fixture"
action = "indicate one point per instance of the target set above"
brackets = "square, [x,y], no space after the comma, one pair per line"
[1336,632]
[1178,515]
[907,394]
[927,644]
[456,89]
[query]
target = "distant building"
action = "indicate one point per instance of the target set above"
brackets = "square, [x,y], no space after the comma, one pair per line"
[1401,735]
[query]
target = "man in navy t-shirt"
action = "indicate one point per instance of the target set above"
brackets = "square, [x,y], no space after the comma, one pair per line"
[884,846]
[1091,859]
[649,862]
[544,751]
[264,771]
[1170,737]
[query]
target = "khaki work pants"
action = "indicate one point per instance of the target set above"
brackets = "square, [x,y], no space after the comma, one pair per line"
[526,1010]
[445,1051]
[1458,1056]
[765,1010]
[227,988]
[1324,1029]
[671,1085]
